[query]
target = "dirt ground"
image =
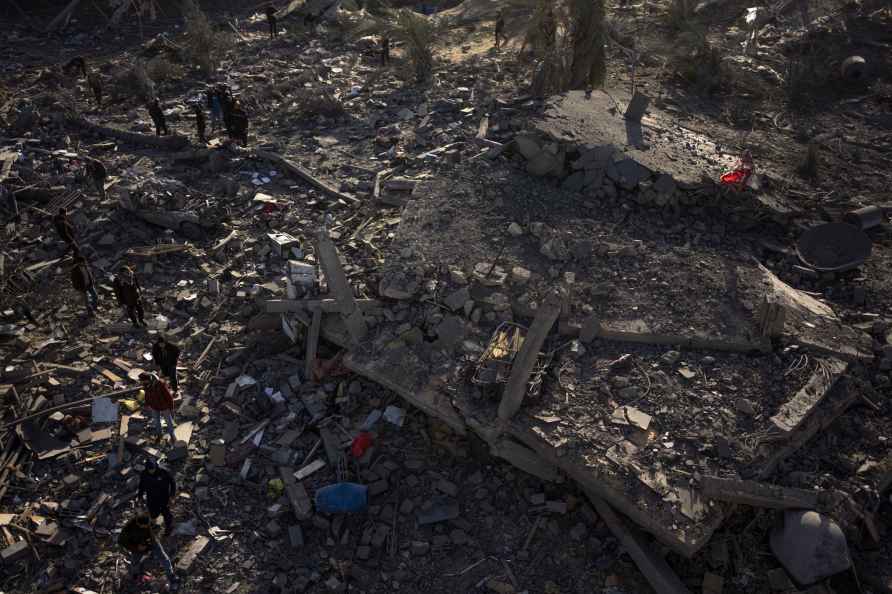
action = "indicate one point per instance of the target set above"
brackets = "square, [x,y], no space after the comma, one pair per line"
[666,267]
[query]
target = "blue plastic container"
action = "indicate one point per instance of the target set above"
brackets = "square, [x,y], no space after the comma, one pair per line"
[342,498]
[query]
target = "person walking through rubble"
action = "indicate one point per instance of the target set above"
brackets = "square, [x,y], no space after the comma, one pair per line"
[95,84]
[157,488]
[129,294]
[157,115]
[66,230]
[385,50]
[166,353]
[82,281]
[237,125]
[200,122]
[159,400]
[273,23]
[500,29]
[138,538]
[96,171]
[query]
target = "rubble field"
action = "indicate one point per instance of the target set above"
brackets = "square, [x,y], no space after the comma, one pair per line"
[552,350]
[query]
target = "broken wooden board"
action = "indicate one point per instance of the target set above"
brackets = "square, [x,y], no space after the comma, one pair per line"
[309,469]
[516,388]
[339,286]
[524,458]
[195,549]
[765,495]
[654,567]
[312,344]
[793,412]
[297,494]
[332,444]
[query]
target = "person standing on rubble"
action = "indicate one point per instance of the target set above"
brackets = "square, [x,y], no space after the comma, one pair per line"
[157,488]
[129,294]
[66,230]
[139,539]
[157,115]
[166,353]
[96,171]
[82,281]
[160,402]
[237,124]
[273,23]
[385,50]
[500,29]
[200,122]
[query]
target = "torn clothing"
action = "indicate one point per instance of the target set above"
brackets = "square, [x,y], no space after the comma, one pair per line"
[158,396]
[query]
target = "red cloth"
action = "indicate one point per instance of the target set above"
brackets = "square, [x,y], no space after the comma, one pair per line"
[158,396]
[361,443]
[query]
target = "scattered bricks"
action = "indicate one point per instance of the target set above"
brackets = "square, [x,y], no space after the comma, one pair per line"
[380,535]
[296,536]
[406,507]
[447,487]
[273,529]
[419,548]
[363,552]
[779,581]
[713,584]
[377,488]
[15,552]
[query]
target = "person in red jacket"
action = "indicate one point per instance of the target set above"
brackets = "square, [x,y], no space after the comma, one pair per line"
[160,402]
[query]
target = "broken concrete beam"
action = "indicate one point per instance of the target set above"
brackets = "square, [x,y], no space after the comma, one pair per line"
[524,458]
[296,170]
[312,344]
[523,364]
[758,494]
[198,545]
[324,305]
[792,413]
[655,569]
[15,552]
[169,143]
[340,287]
[297,494]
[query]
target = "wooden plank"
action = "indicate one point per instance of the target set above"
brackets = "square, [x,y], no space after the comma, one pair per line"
[312,344]
[111,376]
[654,567]
[198,545]
[793,412]
[297,494]
[340,287]
[483,129]
[183,432]
[516,388]
[309,469]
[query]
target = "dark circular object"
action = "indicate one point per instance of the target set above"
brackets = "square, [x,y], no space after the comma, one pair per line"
[833,247]
[854,68]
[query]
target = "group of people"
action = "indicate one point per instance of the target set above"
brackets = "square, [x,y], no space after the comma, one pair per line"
[224,107]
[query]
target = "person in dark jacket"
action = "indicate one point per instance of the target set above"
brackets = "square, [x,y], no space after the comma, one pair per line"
[166,354]
[82,281]
[157,115]
[237,124]
[129,295]
[271,19]
[66,230]
[94,81]
[138,538]
[159,401]
[75,64]
[200,122]
[385,50]
[500,29]
[96,171]
[157,487]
